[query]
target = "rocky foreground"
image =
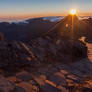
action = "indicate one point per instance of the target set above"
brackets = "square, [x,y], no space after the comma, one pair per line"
[75,77]
[45,65]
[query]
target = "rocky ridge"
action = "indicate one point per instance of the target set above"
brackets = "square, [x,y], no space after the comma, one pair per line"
[41,50]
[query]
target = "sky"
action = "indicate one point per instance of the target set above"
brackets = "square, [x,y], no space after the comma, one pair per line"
[36,8]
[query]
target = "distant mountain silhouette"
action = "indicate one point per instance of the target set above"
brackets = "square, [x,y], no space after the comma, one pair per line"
[13,31]
[37,27]
[25,31]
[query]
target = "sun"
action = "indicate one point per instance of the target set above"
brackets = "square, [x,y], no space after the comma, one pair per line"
[73,12]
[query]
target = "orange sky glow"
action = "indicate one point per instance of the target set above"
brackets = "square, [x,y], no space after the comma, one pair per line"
[23,16]
[20,9]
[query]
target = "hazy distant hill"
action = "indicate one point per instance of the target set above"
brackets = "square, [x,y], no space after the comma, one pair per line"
[24,30]
[38,26]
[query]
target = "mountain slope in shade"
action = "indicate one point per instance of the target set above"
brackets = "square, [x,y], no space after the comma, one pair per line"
[25,31]
[64,28]
[37,27]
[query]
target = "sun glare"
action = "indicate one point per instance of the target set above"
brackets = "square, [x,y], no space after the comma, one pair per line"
[73,12]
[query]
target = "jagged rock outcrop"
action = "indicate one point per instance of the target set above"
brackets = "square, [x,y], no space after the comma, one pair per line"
[11,54]
[40,50]
[55,50]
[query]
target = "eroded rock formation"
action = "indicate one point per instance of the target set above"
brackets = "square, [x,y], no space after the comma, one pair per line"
[41,50]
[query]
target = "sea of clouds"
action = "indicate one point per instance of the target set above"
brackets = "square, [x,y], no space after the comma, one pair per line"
[52,19]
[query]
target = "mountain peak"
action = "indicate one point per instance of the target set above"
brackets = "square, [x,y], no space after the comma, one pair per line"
[64,27]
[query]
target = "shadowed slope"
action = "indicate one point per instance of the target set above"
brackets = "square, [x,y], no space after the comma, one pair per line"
[63,29]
